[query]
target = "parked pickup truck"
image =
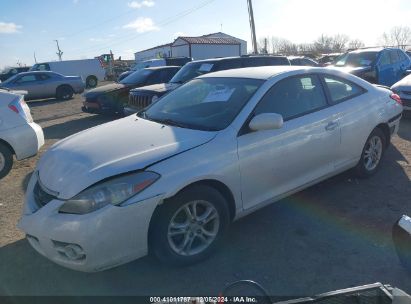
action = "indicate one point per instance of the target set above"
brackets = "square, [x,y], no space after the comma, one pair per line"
[142,97]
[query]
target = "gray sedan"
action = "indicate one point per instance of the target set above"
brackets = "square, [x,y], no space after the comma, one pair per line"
[44,84]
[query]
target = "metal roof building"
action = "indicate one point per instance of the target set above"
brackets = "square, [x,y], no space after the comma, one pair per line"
[201,47]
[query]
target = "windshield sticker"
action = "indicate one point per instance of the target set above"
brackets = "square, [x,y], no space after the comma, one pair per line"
[223,94]
[206,67]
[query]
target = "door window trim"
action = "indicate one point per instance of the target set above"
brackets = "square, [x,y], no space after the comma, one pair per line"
[322,77]
[245,128]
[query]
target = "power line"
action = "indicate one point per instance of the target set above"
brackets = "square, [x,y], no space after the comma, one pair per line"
[133,36]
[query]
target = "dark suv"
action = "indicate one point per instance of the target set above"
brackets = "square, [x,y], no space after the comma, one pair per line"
[142,97]
[7,73]
[383,66]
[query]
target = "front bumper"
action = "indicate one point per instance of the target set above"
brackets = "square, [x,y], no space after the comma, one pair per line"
[104,239]
[97,108]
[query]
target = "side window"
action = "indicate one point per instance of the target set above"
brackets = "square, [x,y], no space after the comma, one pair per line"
[13,71]
[341,90]
[43,67]
[403,57]
[26,78]
[229,64]
[385,59]
[42,77]
[166,75]
[254,62]
[153,78]
[394,56]
[293,96]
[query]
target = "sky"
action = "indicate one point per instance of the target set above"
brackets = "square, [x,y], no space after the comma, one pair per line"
[88,28]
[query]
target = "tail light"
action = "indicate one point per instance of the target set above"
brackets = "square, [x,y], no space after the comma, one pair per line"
[397,98]
[20,107]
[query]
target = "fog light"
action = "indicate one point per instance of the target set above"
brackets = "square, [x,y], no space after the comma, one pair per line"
[72,252]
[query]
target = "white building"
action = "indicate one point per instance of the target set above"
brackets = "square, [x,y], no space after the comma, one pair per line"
[155,52]
[202,47]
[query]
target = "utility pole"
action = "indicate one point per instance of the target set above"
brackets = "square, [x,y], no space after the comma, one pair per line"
[59,52]
[35,59]
[252,25]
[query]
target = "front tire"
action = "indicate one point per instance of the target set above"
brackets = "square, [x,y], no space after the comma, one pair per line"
[189,226]
[91,82]
[6,160]
[372,154]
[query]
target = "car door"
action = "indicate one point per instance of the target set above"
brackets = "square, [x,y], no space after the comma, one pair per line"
[354,106]
[275,162]
[386,73]
[29,83]
[47,85]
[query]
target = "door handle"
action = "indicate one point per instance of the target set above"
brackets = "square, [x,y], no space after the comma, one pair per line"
[332,125]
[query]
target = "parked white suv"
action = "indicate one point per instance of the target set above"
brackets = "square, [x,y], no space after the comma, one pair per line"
[19,135]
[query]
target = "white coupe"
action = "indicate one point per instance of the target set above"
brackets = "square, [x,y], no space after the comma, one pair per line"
[171,179]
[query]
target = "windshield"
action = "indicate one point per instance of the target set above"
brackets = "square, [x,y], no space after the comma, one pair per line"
[138,77]
[208,104]
[356,59]
[11,79]
[192,70]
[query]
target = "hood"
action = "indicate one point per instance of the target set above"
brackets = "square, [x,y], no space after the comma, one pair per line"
[160,88]
[352,70]
[117,147]
[403,84]
[104,89]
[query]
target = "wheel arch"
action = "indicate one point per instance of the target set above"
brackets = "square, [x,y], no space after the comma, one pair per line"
[386,130]
[222,188]
[2,141]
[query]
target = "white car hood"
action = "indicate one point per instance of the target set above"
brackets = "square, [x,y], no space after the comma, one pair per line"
[124,145]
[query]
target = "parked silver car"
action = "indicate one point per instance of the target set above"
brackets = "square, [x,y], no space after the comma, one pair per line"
[44,84]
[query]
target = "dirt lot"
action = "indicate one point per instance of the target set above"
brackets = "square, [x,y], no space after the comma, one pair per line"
[334,235]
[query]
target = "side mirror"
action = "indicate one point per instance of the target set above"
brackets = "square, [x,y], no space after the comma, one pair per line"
[266,121]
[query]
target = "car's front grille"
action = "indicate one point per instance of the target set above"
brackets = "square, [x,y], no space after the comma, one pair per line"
[41,197]
[407,92]
[139,101]
[406,102]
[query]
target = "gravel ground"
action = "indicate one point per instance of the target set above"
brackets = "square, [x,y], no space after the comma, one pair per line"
[333,235]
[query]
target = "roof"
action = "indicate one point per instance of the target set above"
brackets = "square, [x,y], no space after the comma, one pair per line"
[162,67]
[209,40]
[264,72]
[157,47]
[215,59]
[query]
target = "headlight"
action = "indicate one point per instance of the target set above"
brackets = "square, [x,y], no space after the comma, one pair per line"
[154,99]
[114,191]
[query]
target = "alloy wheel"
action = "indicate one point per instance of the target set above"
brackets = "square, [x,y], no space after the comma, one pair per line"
[2,162]
[373,153]
[193,228]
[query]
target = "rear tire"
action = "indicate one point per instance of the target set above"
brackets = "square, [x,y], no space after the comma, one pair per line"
[6,160]
[372,154]
[64,92]
[181,237]
[91,82]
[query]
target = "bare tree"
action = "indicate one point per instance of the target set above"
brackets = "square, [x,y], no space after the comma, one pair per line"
[398,36]
[323,44]
[339,42]
[355,44]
